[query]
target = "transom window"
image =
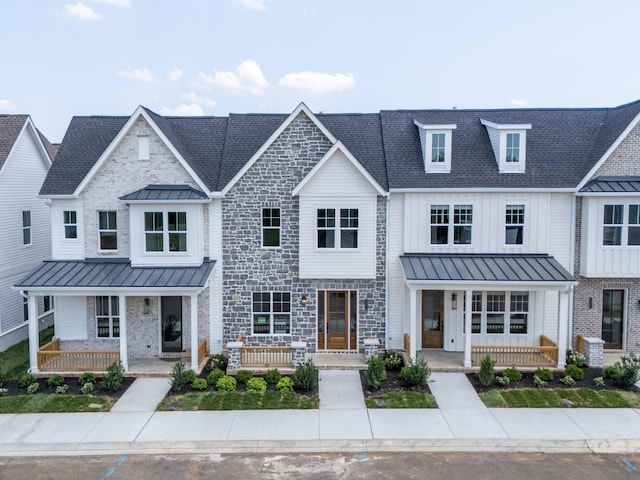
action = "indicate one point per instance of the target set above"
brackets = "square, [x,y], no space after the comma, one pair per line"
[172,238]
[271,313]
[493,310]
[70,221]
[270,227]
[347,227]
[108,316]
[513,148]
[438,147]
[107,230]
[26,227]
[461,225]
[514,225]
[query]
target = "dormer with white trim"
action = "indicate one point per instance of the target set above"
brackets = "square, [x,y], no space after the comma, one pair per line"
[509,143]
[435,141]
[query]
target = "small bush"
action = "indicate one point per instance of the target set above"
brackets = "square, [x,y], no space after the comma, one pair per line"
[62,389]
[243,376]
[393,361]
[503,380]
[486,375]
[33,388]
[375,373]
[1,381]
[226,384]
[179,378]
[513,374]
[544,374]
[190,375]
[256,384]
[87,377]
[628,370]
[112,380]
[87,388]
[598,382]
[305,377]
[285,385]
[220,361]
[575,358]
[538,382]
[568,380]
[3,391]
[199,384]
[55,381]
[610,373]
[416,374]
[272,376]
[214,376]
[574,372]
[26,380]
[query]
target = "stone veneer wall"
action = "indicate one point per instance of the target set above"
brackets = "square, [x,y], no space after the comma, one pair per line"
[250,268]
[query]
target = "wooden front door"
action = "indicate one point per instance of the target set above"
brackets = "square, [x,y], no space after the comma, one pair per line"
[432,318]
[171,324]
[612,318]
[337,320]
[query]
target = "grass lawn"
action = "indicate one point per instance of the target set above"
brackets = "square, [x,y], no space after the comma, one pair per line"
[553,398]
[51,403]
[14,361]
[402,399]
[238,401]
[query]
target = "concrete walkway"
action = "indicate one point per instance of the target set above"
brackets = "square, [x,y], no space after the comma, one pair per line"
[143,395]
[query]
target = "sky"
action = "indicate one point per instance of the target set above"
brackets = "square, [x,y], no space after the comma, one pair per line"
[62,58]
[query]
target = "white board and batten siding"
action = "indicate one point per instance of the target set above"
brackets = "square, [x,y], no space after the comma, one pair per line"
[338,184]
[397,323]
[71,317]
[66,248]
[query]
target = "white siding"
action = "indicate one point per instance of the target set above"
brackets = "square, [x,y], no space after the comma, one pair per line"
[396,287]
[559,228]
[66,248]
[71,318]
[215,284]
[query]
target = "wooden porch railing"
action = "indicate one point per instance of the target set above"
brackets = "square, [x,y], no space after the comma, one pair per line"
[407,343]
[203,350]
[580,344]
[544,355]
[51,358]
[266,356]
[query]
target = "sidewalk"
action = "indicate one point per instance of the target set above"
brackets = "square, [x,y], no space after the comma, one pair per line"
[462,423]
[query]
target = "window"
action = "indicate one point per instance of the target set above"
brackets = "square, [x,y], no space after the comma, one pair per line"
[107,230]
[143,147]
[348,228]
[612,318]
[25,309]
[495,312]
[519,311]
[177,231]
[270,227]
[476,312]
[439,224]
[157,238]
[272,313]
[493,309]
[613,219]
[633,230]
[70,224]
[462,224]
[108,317]
[26,227]
[462,221]
[437,147]
[48,303]
[514,224]
[513,148]
[326,227]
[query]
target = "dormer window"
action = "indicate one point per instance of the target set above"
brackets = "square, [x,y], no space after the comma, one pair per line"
[435,141]
[513,148]
[509,145]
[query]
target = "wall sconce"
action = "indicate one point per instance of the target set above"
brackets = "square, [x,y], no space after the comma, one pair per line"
[303,300]
[590,302]
[146,306]
[454,301]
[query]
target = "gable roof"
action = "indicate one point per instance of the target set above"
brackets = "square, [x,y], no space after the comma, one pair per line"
[10,128]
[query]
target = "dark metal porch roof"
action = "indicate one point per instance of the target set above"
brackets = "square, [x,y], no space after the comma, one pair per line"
[165,192]
[612,185]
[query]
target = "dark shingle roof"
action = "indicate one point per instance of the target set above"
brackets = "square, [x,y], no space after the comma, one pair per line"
[165,192]
[613,185]
[10,128]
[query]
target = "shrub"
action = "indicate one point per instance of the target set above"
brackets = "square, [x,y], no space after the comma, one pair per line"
[538,382]
[199,384]
[574,372]
[393,361]
[544,374]
[486,375]
[416,374]
[3,391]
[575,358]
[214,376]
[220,361]
[568,380]
[226,384]
[513,374]
[86,377]
[62,389]
[26,380]
[285,385]
[190,375]
[610,373]
[179,377]
[628,370]
[256,384]
[87,388]
[1,381]
[112,380]
[55,381]
[598,382]
[375,373]
[305,377]
[272,376]
[243,376]
[503,380]
[33,388]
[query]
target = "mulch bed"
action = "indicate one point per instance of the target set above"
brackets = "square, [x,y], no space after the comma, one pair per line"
[393,383]
[74,387]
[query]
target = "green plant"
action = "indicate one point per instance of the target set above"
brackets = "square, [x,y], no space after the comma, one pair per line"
[1,380]
[628,370]
[575,358]
[256,384]
[610,372]
[513,374]
[62,389]
[26,380]
[87,388]
[486,375]
[305,377]
[33,388]
[574,371]
[190,375]
[598,382]
[544,374]
[55,380]
[538,382]
[503,380]
[112,380]
[214,376]
[393,361]
[179,377]
[272,376]
[86,377]
[3,391]
[285,385]
[416,374]
[375,373]
[243,376]
[199,384]
[568,380]
[226,383]
[220,361]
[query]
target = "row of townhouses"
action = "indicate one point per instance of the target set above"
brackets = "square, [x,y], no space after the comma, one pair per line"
[460,230]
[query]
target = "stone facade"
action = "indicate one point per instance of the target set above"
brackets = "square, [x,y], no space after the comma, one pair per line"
[250,268]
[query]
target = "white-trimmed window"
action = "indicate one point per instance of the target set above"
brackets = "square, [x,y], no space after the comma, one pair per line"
[25,309]
[462,222]
[271,313]
[436,141]
[347,228]
[441,224]
[495,312]
[476,312]
[491,310]
[513,148]
[165,231]
[633,229]
[107,317]
[107,230]
[518,312]
[270,227]
[26,227]
[438,148]
[514,225]
[47,303]
[613,223]
[70,222]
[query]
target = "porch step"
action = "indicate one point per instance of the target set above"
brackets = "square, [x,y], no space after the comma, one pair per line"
[338,361]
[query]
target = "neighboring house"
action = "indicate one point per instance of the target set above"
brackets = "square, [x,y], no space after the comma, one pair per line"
[24,218]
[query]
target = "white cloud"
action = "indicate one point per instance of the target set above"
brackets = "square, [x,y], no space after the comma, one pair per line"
[316,82]
[7,105]
[142,74]
[193,97]
[247,77]
[184,110]
[518,103]
[116,3]
[255,5]
[175,74]
[80,11]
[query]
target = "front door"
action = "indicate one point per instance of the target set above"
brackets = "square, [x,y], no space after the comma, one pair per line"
[612,318]
[432,319]
[337,320]
[171,314]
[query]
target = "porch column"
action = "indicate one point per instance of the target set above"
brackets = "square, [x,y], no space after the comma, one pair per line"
[413,323]
[194,332]
[34,333]
[122,306]
[467,327]
[563,323]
